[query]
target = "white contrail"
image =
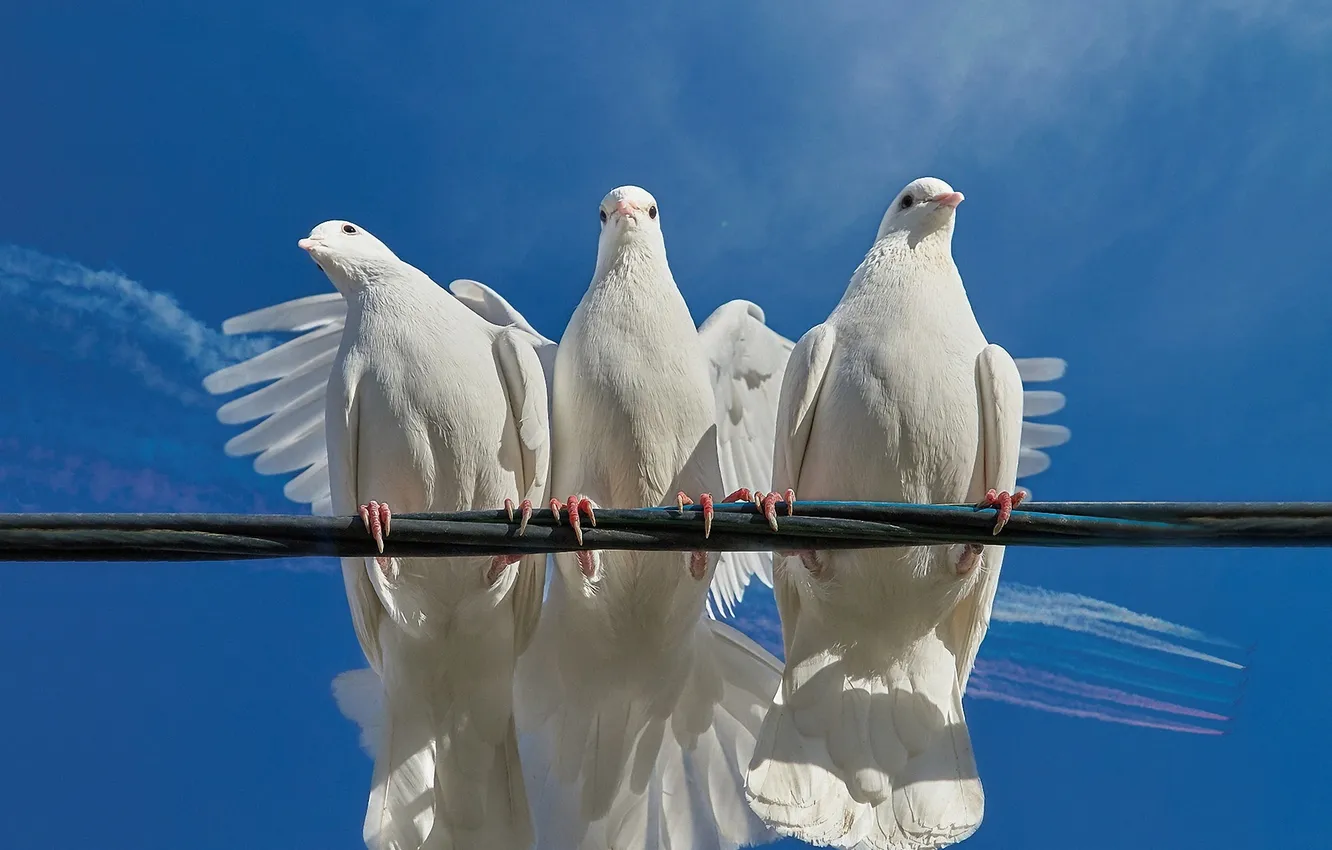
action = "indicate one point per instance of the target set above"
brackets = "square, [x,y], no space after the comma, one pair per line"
[79,302]
[1019,603]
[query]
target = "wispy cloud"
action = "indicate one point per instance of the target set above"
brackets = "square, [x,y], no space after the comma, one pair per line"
[1018,603]
[908,85]
[1009,672]
[1070,707]
[88,314]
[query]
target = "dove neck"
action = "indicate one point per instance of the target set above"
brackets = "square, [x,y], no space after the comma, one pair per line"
[902,267]
[629,258]
[355,281]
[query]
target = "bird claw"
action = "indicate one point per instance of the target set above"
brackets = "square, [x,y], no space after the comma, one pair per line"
[1004,502]
[744,494]
[706,500]
[970,558]
[498,565]
[376,517]
[698,565]
[587,563]
[524,514]
[768,506]
[575,507]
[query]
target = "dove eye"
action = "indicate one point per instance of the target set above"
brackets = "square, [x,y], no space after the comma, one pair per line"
[652,211]
[907,201]
[603,216]
[349,229]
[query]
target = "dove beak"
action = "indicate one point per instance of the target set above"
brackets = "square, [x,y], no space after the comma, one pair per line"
[627,211]
[948,199]
[307,244]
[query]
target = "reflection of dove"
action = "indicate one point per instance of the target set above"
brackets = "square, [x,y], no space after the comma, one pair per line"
[896,397]
[432,408]
[642,714]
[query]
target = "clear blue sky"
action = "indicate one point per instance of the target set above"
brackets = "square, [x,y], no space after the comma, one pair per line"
[1146,189]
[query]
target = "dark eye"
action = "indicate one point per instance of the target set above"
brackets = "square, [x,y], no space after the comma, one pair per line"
[603,216]
[907,201]
[349,229]
[652,211]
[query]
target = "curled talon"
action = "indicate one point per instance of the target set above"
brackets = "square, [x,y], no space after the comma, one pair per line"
[790,502]
[706,499]
[376,518]
[1003,502]
[757,499]
[769,509]
[508,508]
[742,495]
[575,521]
[575,507]
[681,500]
[555,509]
[525,514]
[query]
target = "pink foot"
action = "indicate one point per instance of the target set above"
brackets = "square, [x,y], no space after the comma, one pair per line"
[587,564]
[525,510]
[767,504]
[706,500]
[698,565]
[576,506]
[498,565]
[1004,502]
[377,517]
[970,558]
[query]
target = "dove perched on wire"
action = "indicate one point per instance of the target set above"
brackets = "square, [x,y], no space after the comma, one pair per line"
[897,397]
[638,713]
[432,408]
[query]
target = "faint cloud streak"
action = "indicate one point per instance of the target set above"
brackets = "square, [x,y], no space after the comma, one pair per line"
[104,314]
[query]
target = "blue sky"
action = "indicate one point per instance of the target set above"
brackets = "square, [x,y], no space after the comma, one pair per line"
[1145,189]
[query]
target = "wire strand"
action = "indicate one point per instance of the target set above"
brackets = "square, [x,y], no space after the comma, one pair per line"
[737,526]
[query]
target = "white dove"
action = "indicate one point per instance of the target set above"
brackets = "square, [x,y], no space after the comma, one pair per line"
[641,714]
[896,397]
[746,360]
[431,408]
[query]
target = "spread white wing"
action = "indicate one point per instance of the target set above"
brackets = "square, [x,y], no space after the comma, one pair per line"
[1039,435]
[289,412]
[747,360]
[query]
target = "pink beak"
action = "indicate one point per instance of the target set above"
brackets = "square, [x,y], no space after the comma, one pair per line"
[948,199]
[306,244]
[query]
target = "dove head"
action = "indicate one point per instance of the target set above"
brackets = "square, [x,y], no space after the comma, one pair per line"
[350,255]
[926,207]
[629,216]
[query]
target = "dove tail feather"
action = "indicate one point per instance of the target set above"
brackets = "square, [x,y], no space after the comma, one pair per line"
[442,781]
[646,779]
[880,761]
